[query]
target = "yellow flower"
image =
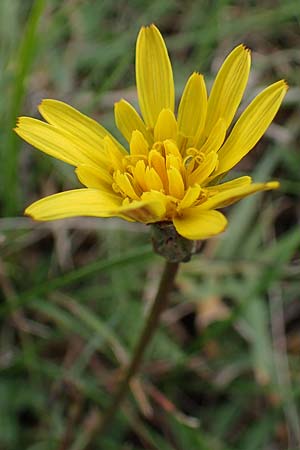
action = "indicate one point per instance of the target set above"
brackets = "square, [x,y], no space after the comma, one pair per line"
[175,162]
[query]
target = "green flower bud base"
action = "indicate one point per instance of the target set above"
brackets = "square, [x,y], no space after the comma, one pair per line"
[169,244]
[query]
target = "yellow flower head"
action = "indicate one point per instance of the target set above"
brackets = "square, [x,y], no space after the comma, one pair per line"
[171,172]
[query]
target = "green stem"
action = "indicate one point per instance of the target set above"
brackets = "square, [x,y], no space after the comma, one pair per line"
[158,307]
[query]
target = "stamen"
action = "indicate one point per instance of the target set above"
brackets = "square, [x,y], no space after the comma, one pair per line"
[191,151]
[200,158]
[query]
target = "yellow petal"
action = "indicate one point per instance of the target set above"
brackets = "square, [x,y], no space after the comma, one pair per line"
[201,174]
[228,88]
[55,142]
[92,177]
[190,197]
[115,155]
[215,138]
[128,120]
[156,196]
[173,161]
[195,224]
[237,182]
[140,175]
[157,161]
[166,126]
[193,106]
[153,180]
[138,144]
[168,203]
[176,186]
[171,149]
[148,210]
[154,77]
[78,125]
[251,126]
[80,202]
[229,196]
[125,185]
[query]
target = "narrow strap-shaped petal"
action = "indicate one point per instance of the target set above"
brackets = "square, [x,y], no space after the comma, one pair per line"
[190,197]
[193,106]
[55,142]
[153,180]
[154,76]
[229,196]
[148,210]
[72,121]
[215,139]
[195,224]
[200,175]
[138,144]
[79,202]
[128,120]
[235,183]
[125,186]
[176,185]
[139,173]
[157,161]
[166,126]
[93,177]
[251,126]
[228,88]
[115,155]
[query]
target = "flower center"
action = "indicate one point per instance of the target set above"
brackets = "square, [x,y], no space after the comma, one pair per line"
[163,169]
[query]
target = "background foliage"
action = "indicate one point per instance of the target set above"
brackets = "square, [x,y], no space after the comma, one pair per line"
[223,371]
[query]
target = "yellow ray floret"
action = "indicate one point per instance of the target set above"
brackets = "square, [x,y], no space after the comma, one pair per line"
[193,107]
[174,160]
[154,76]
[228,88]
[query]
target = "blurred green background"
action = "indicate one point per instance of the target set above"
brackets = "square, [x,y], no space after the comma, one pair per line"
[223,370]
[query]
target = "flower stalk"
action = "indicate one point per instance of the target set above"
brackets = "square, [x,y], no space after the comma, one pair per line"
[159,305]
